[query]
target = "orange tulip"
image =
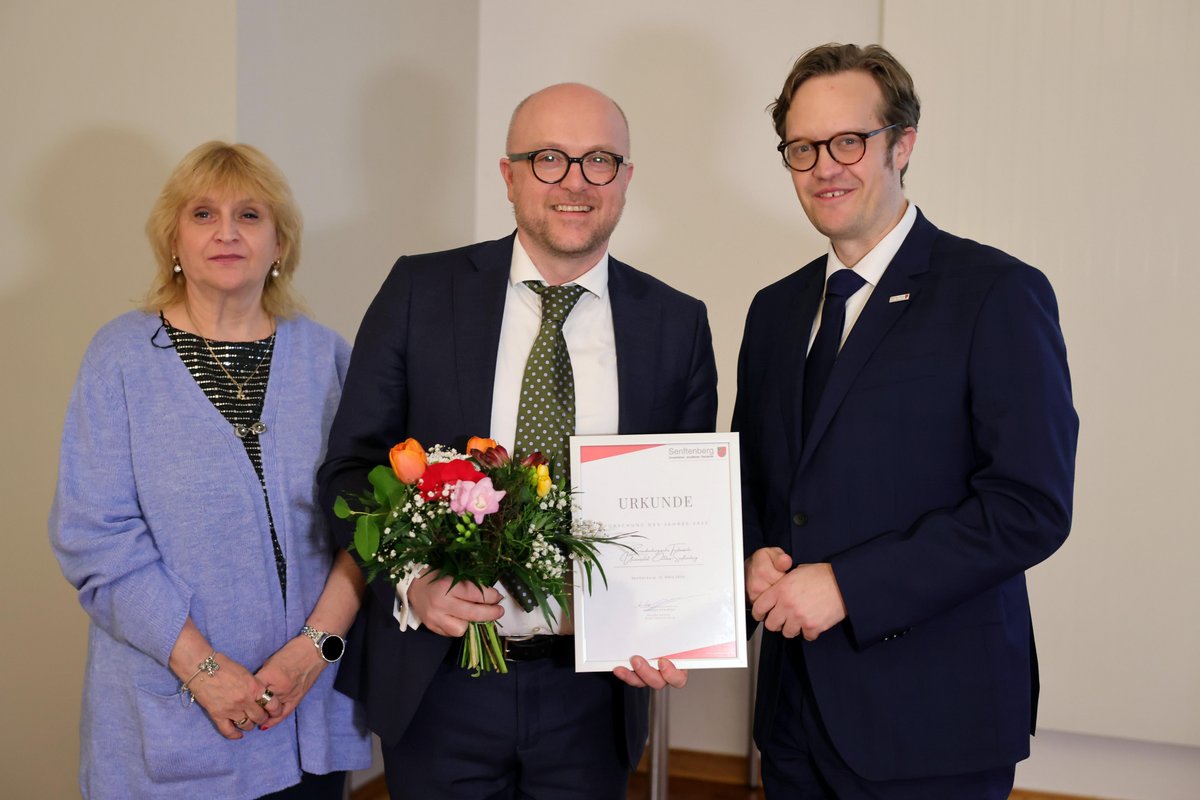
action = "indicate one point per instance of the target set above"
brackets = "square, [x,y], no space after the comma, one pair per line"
[408,460]
[481,444]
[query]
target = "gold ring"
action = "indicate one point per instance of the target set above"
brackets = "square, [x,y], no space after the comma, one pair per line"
[242,721]
[265,698]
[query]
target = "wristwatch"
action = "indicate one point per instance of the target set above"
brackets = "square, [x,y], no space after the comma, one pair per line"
[329,645]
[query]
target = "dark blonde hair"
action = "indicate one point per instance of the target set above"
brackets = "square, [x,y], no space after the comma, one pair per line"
[901,106]
[223,167]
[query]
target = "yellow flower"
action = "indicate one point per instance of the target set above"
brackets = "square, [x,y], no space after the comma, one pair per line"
[543,480]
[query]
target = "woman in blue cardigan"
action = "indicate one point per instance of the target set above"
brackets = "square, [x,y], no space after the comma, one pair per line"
[185,511]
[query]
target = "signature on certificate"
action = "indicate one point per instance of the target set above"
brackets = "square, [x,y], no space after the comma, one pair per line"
[677,553]
[664,603]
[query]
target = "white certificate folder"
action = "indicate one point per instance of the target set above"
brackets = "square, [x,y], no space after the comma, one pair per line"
[679,593]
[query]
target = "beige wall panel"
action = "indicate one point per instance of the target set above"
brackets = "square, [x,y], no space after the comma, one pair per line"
[710,209]
[100,101]
[1118,769]
[369,109]
[1064,134]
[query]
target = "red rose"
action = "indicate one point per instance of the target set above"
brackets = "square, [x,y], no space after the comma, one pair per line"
[447,473]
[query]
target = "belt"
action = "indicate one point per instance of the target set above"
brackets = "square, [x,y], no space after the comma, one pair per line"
[532,648]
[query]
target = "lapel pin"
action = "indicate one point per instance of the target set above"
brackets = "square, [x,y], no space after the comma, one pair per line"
[899,298]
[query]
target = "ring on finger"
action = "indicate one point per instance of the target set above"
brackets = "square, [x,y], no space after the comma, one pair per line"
[265,698]
[242,721]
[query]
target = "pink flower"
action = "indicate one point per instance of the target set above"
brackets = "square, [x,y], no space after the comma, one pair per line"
[476,498]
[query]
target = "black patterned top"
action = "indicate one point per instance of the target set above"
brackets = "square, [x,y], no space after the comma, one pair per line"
[249,364]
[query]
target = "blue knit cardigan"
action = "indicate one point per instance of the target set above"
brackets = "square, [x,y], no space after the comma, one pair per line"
[159,516]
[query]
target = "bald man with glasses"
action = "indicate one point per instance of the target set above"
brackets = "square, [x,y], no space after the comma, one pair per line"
[442,355]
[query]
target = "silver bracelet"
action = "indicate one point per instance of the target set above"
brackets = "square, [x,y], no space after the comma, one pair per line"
[209,666]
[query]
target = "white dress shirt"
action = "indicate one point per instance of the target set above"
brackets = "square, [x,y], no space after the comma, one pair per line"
[588,331]
[870,268]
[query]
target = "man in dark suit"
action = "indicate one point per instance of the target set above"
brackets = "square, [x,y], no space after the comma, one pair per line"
[440,357]
[896,491]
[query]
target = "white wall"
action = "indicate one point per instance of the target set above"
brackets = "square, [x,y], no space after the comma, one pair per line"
[369,109]
[1110,767]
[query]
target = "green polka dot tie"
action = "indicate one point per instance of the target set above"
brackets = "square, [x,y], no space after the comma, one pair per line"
[546,414]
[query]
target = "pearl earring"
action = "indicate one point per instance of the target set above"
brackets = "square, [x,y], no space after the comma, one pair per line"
[177,268]
[275,270]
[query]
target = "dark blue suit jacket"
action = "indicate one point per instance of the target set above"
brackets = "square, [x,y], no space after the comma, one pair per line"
[939,467]
[424,365]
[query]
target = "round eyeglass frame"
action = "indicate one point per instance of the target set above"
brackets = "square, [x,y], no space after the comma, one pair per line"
[533,154]
[865,136]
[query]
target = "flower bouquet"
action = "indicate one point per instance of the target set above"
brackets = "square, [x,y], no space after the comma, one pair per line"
[482,518]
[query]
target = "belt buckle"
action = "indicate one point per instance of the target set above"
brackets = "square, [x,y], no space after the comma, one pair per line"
[506,640]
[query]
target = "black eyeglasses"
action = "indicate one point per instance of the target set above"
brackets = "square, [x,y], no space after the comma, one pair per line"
[800,155]
[550,165]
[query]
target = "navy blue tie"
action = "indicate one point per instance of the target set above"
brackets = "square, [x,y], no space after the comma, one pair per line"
[838,288]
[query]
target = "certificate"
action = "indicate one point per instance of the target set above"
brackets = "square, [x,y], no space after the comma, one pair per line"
[677,587]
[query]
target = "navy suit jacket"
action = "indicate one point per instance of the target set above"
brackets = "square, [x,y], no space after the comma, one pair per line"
[424,366]
[938,468]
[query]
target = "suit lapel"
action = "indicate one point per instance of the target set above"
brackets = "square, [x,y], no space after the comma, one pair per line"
[797,330]
[636,321]
[903,276]
[478,313]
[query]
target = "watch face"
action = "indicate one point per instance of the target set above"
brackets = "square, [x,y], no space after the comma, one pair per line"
[333,647]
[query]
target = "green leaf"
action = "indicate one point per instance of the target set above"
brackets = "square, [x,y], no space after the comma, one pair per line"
[374,533]
[600,569]
[366,537]
[397,496]
[493,648]
[540,589]
[341,509]
[384,482]
[544,604]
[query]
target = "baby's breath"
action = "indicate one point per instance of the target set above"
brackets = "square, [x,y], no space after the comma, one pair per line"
[545,559]
[440,455]
[587,528]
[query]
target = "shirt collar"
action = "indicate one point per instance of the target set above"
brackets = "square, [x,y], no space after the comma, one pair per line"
[872,266]
[595,280]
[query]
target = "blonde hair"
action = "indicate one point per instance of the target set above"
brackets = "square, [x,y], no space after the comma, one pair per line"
[222,167]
